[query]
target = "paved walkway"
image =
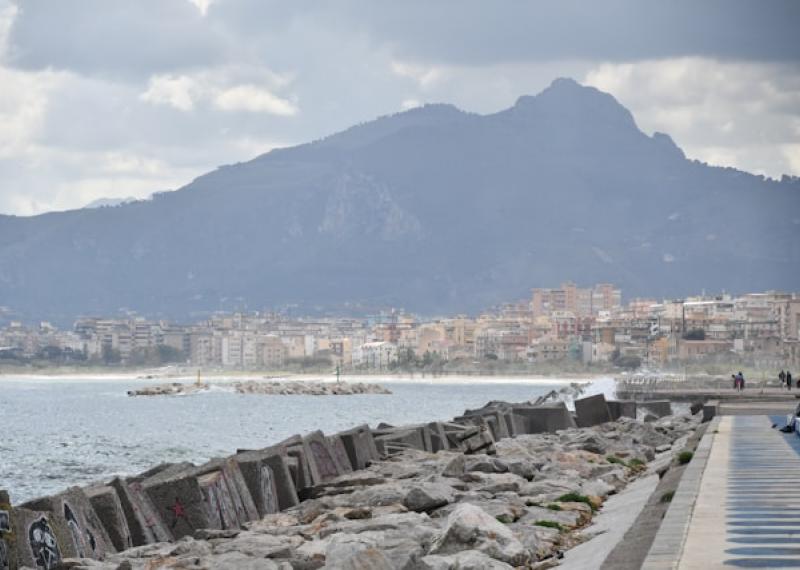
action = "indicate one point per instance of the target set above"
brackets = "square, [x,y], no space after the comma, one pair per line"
[747,513]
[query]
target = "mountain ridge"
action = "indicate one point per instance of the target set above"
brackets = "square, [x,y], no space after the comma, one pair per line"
[433,209]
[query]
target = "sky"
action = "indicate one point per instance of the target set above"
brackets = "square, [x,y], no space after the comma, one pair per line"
[117,99]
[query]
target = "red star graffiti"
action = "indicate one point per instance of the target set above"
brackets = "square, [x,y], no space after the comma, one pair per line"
[178,511]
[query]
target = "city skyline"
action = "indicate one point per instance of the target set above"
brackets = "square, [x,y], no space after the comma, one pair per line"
[587,325]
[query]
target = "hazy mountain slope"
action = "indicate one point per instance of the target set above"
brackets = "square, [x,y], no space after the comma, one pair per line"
[433,209]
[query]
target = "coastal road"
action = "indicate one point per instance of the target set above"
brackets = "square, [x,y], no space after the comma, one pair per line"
[747,513]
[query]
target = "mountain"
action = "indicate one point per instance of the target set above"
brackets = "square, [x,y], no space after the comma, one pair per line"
[109,202]
[434,209]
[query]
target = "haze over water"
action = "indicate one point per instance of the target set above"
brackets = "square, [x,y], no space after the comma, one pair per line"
[62,432]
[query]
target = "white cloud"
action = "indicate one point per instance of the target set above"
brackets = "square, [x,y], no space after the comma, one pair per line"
[222,88]
[791,153]
[202,5]
[175,91]
[739,114]
[8,12]
[253,99]
[407,104]
[425,75]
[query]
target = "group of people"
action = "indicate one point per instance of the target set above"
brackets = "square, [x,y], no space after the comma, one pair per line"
[786,379]
[738,381]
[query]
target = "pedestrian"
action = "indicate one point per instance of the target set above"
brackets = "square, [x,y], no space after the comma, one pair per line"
[741,381]
[788,380]
[735,381]
[782,378]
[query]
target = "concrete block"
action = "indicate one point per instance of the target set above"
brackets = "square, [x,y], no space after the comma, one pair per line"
[499,412]
[322,462]
[543,418]
[622,408]
[425,433]
[163,468]
[479,440]
[360,446]
[439,441]
[269,479]
[409,438]
[88,536]
[342,458]
[144,523]
[188,501]
[238,490]
[219,500]
[592,411]
[301,473]
[710,410]
[107,505]
[8,556]
[454,432]
[41,539]
[507,416]
[492,418]
[299,467]
[659,408]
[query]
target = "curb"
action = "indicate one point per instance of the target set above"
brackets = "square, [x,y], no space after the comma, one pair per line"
[667,548]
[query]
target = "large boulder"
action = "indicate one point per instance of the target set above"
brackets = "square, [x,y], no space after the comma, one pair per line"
[470,528]
[428,496]
[466,560]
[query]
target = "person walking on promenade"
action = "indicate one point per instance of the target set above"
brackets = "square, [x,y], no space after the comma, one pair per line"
[788,380]
[740,381]
[735,381]
[782,378]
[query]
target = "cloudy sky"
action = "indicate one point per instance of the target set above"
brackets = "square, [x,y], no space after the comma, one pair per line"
[111,98]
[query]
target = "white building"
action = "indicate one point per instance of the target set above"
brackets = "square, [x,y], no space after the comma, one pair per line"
[375,355]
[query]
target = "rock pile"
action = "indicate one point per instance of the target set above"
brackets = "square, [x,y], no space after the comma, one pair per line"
[435,496]
[304,388]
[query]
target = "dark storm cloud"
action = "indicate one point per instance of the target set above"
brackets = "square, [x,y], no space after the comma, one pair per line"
[113,98]
[155,35]
[112,37]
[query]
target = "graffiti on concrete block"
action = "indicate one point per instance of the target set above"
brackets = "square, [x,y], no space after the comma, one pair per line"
[75,531]
[269,493]
[5,557]
[178,512]
[43,543]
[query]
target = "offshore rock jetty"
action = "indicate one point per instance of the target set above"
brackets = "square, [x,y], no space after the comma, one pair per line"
[504,486]
[304,388]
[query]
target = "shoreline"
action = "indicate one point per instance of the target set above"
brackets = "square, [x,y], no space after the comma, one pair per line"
[148,375]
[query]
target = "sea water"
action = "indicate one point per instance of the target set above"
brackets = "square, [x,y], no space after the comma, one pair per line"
[57,432]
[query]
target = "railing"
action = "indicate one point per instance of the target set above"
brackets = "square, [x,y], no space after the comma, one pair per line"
[656,385]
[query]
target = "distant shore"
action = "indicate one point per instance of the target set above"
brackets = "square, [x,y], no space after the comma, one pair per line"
[221,376]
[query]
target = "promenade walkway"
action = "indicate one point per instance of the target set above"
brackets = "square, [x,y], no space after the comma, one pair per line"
[747,512]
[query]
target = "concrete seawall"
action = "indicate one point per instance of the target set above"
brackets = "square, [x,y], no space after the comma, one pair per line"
[505,459]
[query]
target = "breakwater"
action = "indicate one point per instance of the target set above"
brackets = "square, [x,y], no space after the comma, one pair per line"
[282,388]
[516,478]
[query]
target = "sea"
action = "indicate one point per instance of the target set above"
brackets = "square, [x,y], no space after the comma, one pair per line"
[56,432]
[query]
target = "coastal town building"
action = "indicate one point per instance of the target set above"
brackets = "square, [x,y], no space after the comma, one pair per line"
[590,325]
